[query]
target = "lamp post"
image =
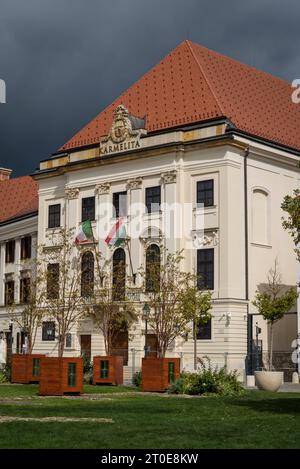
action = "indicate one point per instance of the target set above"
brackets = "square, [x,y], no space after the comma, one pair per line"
[257,332]
[146,312]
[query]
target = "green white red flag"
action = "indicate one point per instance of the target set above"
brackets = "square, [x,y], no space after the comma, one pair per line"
[117,234]
[85,233]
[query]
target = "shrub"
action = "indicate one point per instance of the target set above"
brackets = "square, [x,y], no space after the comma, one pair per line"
[208,380]
[5,374]
[87,370]
[87,364]
[137,379]
[88,377]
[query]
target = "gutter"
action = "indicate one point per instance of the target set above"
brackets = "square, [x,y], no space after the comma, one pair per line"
[20,218]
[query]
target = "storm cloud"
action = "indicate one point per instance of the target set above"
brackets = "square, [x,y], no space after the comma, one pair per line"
[63,61]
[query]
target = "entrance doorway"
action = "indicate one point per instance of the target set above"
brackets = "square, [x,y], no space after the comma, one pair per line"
[120,346]
[86,346]
[9,339]
[152,345]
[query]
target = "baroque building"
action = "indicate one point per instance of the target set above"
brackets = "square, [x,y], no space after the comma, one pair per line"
[201,151]
[18,238]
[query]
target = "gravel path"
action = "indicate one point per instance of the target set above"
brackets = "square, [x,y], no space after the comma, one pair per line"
[9,418]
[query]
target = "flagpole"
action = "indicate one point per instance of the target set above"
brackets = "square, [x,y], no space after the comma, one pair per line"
[130,260]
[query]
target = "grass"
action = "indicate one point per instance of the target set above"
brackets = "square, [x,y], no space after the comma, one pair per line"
[256,420]
[23,390]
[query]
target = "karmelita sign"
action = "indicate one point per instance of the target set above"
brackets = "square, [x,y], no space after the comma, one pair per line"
[2,92]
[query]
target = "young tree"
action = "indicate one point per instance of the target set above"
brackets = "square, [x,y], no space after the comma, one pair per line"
[175,299]
[291,205]
[61,263]
[273,303]
[110,307]
[29,314]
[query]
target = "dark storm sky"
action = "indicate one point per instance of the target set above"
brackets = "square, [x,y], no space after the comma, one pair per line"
[63,61]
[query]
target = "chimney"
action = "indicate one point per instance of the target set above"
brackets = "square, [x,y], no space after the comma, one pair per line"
[5,174]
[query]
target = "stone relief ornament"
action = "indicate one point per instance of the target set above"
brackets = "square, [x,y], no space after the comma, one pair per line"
[135,183]
[124,134]
[151,234]
[169,177]
[71,192]
[102,189]
[209,239]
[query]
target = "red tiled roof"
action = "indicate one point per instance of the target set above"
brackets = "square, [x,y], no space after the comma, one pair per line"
[18,197]
[194,84]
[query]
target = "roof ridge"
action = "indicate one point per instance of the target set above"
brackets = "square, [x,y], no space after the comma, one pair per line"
[120,96]
[189,44]
[239,62]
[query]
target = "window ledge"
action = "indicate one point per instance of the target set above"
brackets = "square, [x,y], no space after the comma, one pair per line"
[205,208]
[54,228]
[262,245]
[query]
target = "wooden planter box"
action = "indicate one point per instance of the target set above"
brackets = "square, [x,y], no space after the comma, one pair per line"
[159,373]
[61,376]
[108,370]
[26,368]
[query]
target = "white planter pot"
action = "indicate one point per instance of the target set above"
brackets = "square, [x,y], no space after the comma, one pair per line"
[268,380]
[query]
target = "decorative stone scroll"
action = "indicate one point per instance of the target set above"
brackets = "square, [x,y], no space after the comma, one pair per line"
[71,192]
[135,183]
[169,177]
[103,188]
[210,239]
[151,234]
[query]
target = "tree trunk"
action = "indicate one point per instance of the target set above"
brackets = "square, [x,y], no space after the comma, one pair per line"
[30,345]
[195,345]
[61,346]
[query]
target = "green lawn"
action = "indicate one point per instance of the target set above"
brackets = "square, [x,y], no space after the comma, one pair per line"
[256,420]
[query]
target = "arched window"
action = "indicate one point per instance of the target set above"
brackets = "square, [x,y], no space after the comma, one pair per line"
[260,216]
[152,268]
[87,274]
[119,275]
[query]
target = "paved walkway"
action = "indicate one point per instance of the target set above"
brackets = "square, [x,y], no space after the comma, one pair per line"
[286,387]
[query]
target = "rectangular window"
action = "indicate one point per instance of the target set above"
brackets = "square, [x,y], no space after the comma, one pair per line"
[204,331]
[153,199]
[9,294]
[120,204]
[205,269]
[24,290]
[205,193]
[26,247]
[53,281]
[171,372]
[48,331]
[104,369]
[71,375]
[88,209]
[36,362]
[10,251]
[68,340]
[54,216]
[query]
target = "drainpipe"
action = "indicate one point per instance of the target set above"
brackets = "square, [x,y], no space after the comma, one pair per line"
[249,369]
[298,317]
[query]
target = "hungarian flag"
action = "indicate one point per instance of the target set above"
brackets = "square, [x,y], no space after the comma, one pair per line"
[85,232]
[117,234]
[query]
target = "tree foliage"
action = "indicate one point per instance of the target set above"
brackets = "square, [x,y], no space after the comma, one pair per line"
[291,205]
[274,302]
[174,299]
[63,303]
[110,308]
[28,316]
